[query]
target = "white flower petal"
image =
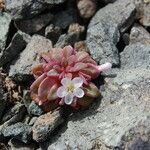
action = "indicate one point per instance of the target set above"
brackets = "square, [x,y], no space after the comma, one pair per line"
[78,92]
[69,99]
[61,92]
[65,81]
[77,82]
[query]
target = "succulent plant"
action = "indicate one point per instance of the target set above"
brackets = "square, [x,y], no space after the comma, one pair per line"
[65,78]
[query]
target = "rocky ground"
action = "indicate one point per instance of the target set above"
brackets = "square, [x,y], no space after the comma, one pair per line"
[116,31]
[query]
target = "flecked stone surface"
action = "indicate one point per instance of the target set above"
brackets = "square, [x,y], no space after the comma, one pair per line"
[21,69]
[18,43]
[18,131]
[46,124]
[5,20]
[139,34]
[24,9]
[103,30]
[133,53]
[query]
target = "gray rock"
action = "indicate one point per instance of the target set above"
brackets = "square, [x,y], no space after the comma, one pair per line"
[53,33]
[143,11]
[103,30]
[74,35]
[139,34]
[34,109]
[35,24]
[46,124]
[5,21]
[125,103]
[21,69]
[17,145]
[67,39]
[24,9]
[18,131]
[15,114]
[135,56]
[138,138]
[32,121]
[18,43]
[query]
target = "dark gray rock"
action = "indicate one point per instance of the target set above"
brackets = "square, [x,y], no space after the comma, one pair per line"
[139,34]
[17,145]
[3,97]
[67,39]
[18,43]
[5,21]
[74,35]
[135,56]
[24,9]
[103,30]
[15,114]
[21,69]
[53,33]
[18,131]
[35,24]
[64,18]
[46,124]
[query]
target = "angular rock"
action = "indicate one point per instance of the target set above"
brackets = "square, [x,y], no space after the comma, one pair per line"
[67,39]
[125,103]
[5,21]
[139,34]
[21,69]
[103,30]
[143,11]
[35,24]
[53,33]
[74,34]
[86,8]
[18,131]
[32,107]
[18,43]
[64,18]
[46,124]
[24,9]
[133,53]
[15,114]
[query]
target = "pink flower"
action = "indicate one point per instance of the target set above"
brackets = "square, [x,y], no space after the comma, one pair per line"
[57,77]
